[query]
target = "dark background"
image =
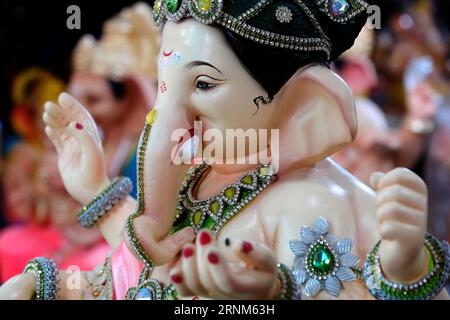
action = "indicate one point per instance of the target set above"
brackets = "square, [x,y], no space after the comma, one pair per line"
[34,33]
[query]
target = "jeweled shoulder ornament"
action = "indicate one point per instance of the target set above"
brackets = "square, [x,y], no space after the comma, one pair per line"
[322,261]
[264,21]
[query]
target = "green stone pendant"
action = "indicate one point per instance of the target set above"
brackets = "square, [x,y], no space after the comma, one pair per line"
[172,5]
[321,260]
[231,194]
[197,218]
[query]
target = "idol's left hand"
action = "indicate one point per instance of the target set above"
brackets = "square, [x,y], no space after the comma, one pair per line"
[207,270]
[402,220]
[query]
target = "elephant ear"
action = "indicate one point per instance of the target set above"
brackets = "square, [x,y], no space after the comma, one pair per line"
[318,117]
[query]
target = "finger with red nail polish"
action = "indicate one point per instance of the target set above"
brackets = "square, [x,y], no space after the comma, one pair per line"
[190,270]
[218,269]
[213,258]
[205,238]
[204,245]
[178,279]
[188,252]
[254,254]
[247,247]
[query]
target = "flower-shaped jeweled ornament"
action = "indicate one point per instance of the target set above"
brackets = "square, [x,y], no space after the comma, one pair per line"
[322,262]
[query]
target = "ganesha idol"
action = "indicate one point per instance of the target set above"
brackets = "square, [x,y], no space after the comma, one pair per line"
[302,229]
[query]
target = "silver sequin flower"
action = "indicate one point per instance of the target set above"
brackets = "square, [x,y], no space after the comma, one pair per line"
[322,261]
[283,14]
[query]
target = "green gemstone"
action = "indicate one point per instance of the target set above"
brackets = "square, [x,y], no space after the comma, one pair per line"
[209,223]
[214,207]
[172,5]
[204,5]
[322,259]
[230,193]
[197,217]
[248,180]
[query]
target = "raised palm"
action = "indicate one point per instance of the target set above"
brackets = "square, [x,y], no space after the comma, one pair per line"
[81,160]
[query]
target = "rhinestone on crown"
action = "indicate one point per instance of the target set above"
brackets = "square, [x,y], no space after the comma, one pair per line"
[283,14]
[212,11]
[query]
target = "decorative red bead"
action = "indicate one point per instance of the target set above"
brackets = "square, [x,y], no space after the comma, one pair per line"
[247,247]
[176,278]
[188,252]
[79,126]
[205,238]
[213,258]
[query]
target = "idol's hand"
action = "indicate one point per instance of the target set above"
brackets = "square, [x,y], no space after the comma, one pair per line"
[160,247]
[20,287]
[207,271]
[402,218]
[81,160]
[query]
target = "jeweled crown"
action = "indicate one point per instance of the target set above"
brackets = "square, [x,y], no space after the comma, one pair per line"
[281,12]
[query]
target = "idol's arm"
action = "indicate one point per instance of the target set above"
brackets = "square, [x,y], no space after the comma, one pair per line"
[111,226]
[407,259]
[81,163]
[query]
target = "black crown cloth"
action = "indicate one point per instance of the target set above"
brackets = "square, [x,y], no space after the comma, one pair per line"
[298,25]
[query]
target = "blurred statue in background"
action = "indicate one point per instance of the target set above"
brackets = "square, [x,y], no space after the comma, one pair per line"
[412,59]
[115,78]
[381,145]
[366,154]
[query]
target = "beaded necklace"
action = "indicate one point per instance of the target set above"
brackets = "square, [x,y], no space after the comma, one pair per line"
[215,212]
[212,213]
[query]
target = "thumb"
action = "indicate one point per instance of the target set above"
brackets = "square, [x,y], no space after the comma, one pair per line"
[174,243]
[164,250]
[258,255]
[375,179]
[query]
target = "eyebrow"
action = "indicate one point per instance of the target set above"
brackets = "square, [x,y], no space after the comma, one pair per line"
[198,63]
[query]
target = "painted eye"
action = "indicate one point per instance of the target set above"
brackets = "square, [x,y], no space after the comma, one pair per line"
[204,86]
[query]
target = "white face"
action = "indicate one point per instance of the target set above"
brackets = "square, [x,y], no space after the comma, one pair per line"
[201,78]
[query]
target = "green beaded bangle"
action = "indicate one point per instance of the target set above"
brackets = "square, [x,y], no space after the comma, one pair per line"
[289,287]
[425,289]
